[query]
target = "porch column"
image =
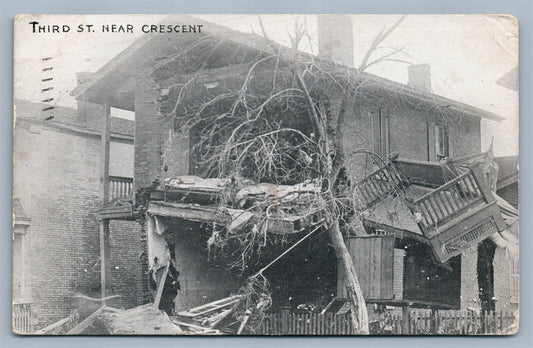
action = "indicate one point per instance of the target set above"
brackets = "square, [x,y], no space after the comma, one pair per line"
[105,271]
[147,136]
[469,279]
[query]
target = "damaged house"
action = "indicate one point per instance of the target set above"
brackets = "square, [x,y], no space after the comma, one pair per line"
[227,177]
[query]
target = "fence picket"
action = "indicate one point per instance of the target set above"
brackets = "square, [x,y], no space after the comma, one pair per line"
[444,322]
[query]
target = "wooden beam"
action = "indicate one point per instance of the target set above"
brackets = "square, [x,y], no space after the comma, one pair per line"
[191,212]
[104,195]
[78,329]
[186,212]
[397,232]
[105,269]
[104,166]
[124,212]
[161,285]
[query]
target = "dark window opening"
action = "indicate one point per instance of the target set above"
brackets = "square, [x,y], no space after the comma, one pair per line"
[485,271]
[381,132]
[441,142]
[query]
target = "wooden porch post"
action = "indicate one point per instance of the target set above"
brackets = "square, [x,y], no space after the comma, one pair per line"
[104,194]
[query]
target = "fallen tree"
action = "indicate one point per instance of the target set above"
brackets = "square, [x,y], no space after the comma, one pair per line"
[280,120]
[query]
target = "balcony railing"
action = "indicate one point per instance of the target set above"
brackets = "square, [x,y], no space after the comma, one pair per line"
[377,185]
[120,187]
[449,200]
[22,318]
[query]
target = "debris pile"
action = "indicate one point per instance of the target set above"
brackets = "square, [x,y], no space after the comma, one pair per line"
[142,320]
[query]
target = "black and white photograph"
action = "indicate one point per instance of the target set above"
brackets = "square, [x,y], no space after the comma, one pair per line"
[314,174]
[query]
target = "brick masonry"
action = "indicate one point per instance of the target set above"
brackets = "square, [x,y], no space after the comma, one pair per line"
[506,284]
[148,133]
[469,280]
[411,134]
[56,178]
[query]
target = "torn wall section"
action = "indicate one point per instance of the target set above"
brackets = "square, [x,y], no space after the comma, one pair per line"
[183,245]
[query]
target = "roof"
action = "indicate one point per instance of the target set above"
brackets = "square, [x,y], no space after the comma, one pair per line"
[25,109]
[65,116]
[115,82]
[510,79]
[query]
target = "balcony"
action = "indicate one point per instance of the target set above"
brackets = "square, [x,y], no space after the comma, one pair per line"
[120,203]
[120,188]
[450,215]
[382,182]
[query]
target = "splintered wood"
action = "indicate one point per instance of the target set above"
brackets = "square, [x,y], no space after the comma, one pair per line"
[209,317]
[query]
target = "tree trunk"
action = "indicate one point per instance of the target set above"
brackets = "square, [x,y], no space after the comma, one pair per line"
[359,313]
[353,289]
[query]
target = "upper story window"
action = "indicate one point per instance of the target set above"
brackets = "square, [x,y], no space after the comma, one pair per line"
[381,132]
[441,142]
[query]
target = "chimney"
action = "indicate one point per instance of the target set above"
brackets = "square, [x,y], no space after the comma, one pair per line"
[419,77]
[335,39]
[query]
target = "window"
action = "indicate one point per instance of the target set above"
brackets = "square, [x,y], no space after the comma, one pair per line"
[441,142]
[381,132]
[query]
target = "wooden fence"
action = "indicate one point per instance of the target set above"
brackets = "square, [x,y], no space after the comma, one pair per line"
[416,323]
[452,322]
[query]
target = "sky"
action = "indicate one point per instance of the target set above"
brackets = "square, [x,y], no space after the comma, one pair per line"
[467,55]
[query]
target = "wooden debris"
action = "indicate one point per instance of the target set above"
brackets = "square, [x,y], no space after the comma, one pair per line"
[207,317]
[78,329]
[58,328]
[201,312]
[161,285]
[195,328]
[244,320]
[142,320]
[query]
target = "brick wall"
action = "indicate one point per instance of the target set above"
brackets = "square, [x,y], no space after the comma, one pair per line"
[505,287]
[121,159]
[56,180]
[410,132]
[125,262]
[56,177]
[148,133]
[397,272]
[469,280]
